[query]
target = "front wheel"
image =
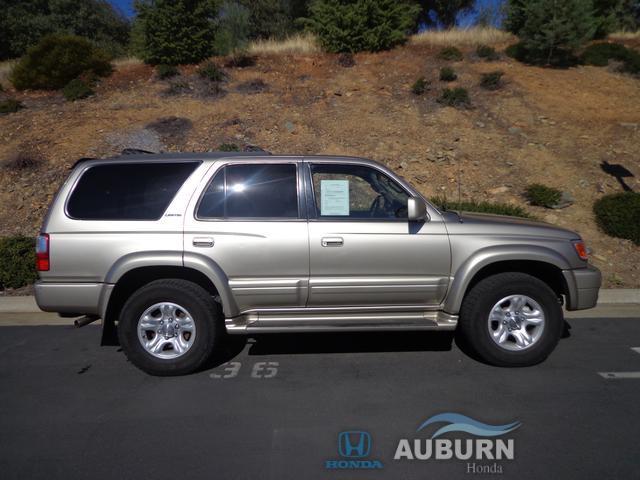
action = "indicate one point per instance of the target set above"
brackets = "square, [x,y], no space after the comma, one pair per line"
[511,320]
[169,327]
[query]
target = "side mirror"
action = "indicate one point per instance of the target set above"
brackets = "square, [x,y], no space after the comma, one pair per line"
[416,209]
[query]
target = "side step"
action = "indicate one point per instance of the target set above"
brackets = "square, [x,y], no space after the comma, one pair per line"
[268,322]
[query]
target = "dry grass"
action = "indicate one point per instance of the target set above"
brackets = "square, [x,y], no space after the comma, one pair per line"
[299,43]
[462,37]
[5,70]
[126,62]
[625,35]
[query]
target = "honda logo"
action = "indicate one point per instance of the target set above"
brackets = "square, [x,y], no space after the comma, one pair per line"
[354,444]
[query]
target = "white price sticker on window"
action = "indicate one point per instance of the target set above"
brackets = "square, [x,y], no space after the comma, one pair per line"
[334,197]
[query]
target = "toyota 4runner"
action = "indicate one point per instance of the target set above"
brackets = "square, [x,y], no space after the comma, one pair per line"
[177,250]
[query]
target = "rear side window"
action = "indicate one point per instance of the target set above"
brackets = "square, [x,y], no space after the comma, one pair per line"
[252,191]
[127,191]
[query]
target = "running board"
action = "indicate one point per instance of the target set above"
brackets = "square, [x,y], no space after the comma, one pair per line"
[340,322]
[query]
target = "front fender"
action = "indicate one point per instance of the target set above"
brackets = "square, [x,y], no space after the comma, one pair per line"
[489,255]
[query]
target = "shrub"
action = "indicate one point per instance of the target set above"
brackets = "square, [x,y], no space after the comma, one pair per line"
[551,39]
[447,74]
[451,53]
[56,60]
[176,32]
[543,196]
[26,159]
[10,105]
[240,60]
[233,28]
[487,52]
[228,147]
[178,87]
[165,71]
[346,60]
[77,89]
[212,72]
[454,97]
[420,86]
[482,207]
[361,25]
[17,262]
[618,215]
[599,55]
[491,80]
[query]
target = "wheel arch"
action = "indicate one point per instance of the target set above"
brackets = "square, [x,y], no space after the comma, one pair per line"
[540,262]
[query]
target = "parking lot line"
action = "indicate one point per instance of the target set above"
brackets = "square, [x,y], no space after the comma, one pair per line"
[636,349]
[619,375]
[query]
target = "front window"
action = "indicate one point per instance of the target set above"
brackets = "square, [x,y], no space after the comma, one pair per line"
[356,191]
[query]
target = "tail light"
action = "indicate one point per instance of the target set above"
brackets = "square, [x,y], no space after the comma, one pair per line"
[581,249]
[42,252]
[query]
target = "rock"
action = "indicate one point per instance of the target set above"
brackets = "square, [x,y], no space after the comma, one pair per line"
[566,200]
[509,164]
[632,126]
[599,257]
[600,187]
[498,190]
[551,218]
[421,179]
[583,183]
[404,165]
[289,126]
[480,125]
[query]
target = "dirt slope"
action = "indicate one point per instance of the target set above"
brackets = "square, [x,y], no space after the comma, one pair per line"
[549,126]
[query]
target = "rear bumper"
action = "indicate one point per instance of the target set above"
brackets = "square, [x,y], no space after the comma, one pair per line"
[583,285]
[77,298]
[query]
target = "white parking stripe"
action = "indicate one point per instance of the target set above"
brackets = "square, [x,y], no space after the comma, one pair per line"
[619,375]
[636,349]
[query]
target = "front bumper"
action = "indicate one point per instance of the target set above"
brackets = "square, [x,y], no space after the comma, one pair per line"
[583,285]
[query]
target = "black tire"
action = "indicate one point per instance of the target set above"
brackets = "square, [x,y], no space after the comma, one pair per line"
[206,314]
[476,307]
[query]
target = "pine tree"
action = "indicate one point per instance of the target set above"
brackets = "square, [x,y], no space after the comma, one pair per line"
[177,31]
[357,25]
[554,29]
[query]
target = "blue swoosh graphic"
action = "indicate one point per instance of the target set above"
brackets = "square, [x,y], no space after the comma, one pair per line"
[462,423]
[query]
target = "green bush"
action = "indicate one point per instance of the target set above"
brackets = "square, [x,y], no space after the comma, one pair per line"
[599,55]
[454,97]
[228,147]
[487,52]
[481,207]
[451,54]
[491,80]
[233,29]
[165,71]
[212,72]
[17,262]
[447,74]
[361,25]
[618,215]
[56,60]
[10,105]
[176,32]
[77,89]
[551,39]
[420,86]
[543,196]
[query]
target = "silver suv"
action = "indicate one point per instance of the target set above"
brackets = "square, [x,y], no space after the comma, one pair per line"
[177,250]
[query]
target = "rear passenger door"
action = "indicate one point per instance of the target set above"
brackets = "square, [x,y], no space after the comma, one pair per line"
[249,219]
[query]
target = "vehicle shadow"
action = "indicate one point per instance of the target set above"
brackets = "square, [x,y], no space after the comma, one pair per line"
[350,342]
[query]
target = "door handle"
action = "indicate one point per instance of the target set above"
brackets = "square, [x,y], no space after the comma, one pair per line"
[203,242]
[332,242]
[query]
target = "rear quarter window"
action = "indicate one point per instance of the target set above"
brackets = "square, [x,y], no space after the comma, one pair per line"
[127,191]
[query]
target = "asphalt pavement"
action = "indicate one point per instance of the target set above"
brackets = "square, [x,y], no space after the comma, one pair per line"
[274,407]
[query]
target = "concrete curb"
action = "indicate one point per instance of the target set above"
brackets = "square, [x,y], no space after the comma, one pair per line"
[612,296]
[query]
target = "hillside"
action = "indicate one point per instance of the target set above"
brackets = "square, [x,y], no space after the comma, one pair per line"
[548,126]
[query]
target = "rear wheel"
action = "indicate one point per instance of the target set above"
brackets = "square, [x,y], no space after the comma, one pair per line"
[511,319]
[169,327]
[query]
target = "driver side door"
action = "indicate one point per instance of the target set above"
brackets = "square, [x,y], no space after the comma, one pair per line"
[363,249]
